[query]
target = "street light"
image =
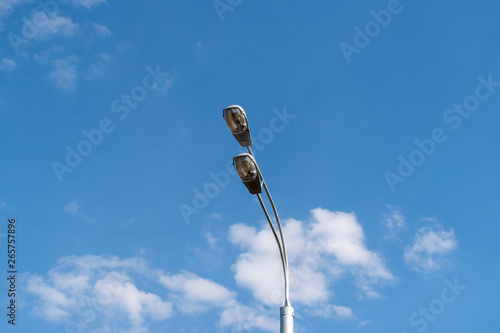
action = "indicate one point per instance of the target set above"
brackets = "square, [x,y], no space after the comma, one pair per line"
[249,172]
[236,120]
[247,169]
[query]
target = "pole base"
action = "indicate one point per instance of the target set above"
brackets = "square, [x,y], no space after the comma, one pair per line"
[287,315]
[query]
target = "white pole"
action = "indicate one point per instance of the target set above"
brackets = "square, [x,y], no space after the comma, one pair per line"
[286,319]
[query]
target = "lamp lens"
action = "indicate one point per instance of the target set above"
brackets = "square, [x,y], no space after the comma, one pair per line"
[236,120]
[246,168]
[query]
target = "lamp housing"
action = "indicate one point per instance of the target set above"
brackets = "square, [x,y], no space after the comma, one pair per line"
[247,169]
[237,121]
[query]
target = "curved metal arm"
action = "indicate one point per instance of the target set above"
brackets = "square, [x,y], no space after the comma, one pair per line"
[281,246]
[276,238]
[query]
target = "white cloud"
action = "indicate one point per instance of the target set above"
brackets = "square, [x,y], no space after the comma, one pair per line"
[89,263]
[196,294]
[244,318]
[122,297]
[89,3]
[324,249]
[211,240]
[72,208]
[64,74]
[430,249]
[54,303]
[196,289]
[393,221]
[55,25]
[216,217]
[258,269]
[331,311]
[102,30]
[7,65]
[93,291]
[99,294]
[320,251]
[192,294]
[342,311]
[429,219]
[69,281]
[39,24]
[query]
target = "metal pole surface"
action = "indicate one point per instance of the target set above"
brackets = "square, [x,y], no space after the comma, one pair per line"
[286,319]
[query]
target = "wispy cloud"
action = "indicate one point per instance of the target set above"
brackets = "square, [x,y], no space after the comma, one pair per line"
[243,318]
[89,3]
[199,53]
[209,256]
[90,263]
[102,30]
[363,323]
[430,249]
[195,294]
[211,240]
[216,217]
[62,69]
[56,25]
[64,74]
[66,70]
[73,208]
[7,65]
[394,221]
[331,311]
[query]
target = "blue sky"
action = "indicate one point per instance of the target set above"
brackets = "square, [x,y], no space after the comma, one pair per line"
[374,124]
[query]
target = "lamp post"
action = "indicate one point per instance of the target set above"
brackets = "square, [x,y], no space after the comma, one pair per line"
[249,172]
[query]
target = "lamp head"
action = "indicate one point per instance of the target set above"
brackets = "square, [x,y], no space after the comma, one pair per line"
[247,169]
[236,120]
